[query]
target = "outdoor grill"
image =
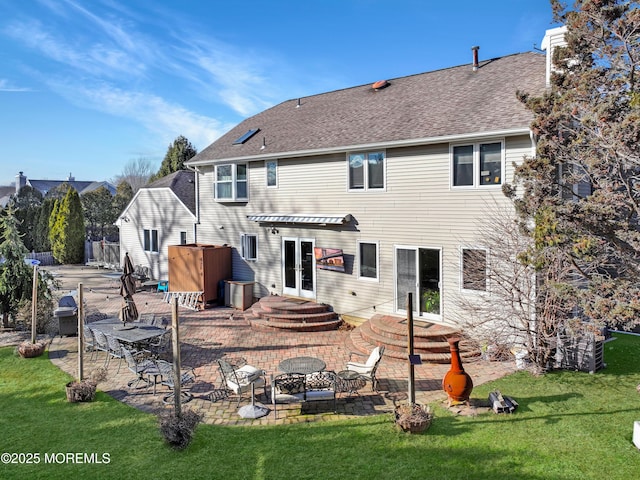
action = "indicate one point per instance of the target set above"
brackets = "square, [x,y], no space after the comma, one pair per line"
[67,316]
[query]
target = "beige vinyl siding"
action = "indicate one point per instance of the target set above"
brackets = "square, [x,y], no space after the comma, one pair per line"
[418,208]
[154,209]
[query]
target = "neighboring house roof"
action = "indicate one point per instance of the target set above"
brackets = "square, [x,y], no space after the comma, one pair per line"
[182,183]
[415,109]
[44,186]
[5,195]
[96,185]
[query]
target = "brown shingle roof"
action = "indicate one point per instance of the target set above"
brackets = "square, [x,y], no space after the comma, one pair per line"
[449,102]
[182,184]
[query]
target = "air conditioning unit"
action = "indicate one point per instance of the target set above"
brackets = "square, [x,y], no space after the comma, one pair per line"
[238,294]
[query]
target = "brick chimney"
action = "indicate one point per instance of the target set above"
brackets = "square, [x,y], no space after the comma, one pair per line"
[21,181]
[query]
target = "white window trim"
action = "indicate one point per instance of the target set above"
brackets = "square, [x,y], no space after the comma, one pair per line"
[377,277]
[461,256]
[243,246]
[266,173]
[476,164]
[151,250]
[234,183]
[366,175]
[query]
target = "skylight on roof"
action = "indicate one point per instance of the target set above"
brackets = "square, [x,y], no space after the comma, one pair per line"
[246,136]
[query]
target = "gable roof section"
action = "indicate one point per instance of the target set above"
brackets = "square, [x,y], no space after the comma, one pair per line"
[441,104]
[96,185]
[182,184]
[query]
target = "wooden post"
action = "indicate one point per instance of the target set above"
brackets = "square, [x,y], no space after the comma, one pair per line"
[80,333]
[176,356]
[34,304]
[412,387]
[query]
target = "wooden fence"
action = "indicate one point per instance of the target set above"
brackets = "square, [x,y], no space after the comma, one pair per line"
[102,254]
[45,258]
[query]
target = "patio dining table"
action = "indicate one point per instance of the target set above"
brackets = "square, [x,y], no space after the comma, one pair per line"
[302,365]
[132,333]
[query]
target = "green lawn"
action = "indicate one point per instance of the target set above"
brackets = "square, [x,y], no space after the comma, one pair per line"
[568,426]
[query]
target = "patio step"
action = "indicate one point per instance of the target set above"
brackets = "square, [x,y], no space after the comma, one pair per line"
[300,317]
[292,314]
[430,340]
[270,326]
[281,307]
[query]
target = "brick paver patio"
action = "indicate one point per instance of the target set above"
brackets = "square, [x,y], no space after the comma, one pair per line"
[212,333]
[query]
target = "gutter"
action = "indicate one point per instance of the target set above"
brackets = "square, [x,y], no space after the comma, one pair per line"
[367,146]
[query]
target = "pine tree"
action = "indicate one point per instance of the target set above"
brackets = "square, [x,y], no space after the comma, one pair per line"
[179,152]
[15,274]
[124,194]
[67,232]
[41,235]
[582,188]
[55,229]
[27,205]
[99,214]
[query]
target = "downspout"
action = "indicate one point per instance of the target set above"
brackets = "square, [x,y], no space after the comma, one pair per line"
[196,170]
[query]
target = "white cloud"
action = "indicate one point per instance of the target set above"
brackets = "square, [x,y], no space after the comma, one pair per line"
[224,74]
[6,86]
[165,119]
[99,56]
[75,52]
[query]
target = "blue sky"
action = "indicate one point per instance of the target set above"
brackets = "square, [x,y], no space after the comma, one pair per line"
[89,85]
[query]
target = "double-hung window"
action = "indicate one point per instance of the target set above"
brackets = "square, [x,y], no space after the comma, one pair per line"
[474,269]
[230,183]
[366,171]
[249,246]
[150,241]
[368,260]
[272,173]
[477,164]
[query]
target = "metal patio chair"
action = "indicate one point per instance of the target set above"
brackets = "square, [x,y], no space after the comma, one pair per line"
[161,345]
[241,380]
[368,369]
[115,350]
[187,377]
[141,367]
[101,344]
[89,341]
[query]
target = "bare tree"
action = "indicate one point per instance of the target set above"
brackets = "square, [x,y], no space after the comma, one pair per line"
[504,302]
[136,173]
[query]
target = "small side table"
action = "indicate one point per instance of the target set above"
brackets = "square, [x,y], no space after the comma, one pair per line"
[350,382]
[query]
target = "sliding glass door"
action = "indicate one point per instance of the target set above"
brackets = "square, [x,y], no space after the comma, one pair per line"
[418,270]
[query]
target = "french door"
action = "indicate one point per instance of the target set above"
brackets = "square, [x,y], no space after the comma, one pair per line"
[418,270]
[298,267]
